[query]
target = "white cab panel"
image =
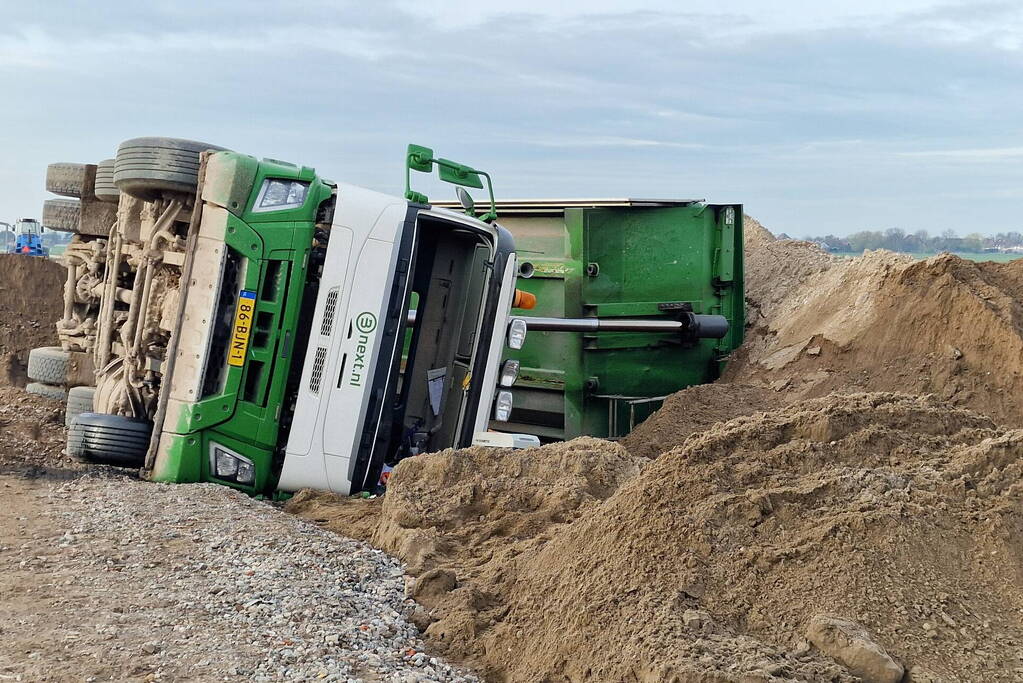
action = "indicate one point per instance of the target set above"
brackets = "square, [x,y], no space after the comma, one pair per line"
[357,277]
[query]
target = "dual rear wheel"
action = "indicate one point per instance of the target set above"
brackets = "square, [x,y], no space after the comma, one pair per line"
[92,437]
[109,439]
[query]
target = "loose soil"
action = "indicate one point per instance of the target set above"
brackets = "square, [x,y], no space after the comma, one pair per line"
[883,322]
[895,511]
[457,508]
[31,303]
[32,435]
[775,267]
[694,410]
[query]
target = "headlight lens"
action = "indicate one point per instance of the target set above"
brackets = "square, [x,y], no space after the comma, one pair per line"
[509,373]
[277,194]
[231,466]
[517,333]
[246,472]
[226,464]
[503,406]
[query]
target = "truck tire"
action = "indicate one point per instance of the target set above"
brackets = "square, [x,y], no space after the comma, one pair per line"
[61,214]
[147,168]
[79,400]
[49,391]
[105,190]
[109,439]
[48,364]
[66,179]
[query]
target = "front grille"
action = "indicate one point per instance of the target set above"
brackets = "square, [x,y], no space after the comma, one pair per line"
[316,376]
[215,370]
[328,312]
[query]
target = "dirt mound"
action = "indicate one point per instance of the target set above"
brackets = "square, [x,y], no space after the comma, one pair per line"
[775,267]
[896,512]
[457,514]
[31,302]
[31,433]
[695,409]
[349,516]
[754,234]
[883,322]
[441,508]
[444,506]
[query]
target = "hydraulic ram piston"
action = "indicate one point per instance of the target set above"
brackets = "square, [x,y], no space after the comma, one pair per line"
[689,324]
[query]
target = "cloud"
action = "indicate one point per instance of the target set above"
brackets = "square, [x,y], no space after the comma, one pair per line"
[734,100]
[38,48]
[986,155]
[610,141]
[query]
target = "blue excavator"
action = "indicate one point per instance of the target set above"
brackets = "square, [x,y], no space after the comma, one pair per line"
[28,238]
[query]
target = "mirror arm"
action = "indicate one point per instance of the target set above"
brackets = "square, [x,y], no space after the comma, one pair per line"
[491,215]
[410,194]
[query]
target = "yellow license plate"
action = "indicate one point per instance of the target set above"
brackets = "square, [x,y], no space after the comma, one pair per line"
[242,327]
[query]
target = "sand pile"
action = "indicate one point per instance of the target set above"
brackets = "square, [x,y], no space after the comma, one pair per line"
[883,322]
[776,267]
[897,512]
[31,302]
[694,410]
[754,234]
[454,507]
[473,500]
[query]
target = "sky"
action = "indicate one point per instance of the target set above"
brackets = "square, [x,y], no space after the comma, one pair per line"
[819,117]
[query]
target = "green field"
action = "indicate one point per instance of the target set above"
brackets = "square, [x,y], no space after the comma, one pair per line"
[1000,258]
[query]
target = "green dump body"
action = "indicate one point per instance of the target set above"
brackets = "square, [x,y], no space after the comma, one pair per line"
[615,259]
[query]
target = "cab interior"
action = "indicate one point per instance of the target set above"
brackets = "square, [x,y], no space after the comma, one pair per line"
[451,269]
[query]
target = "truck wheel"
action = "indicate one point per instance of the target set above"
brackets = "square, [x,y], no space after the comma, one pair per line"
[61,214]
[48,364]
[79,400]
[109,439]
[49,391]
[146,168]
[105,189]
[65,179]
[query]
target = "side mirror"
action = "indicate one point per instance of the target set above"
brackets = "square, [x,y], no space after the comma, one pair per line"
[466,200]
[420,158]
[458,174]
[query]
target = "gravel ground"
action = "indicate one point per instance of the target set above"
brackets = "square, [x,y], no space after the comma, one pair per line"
[139,581]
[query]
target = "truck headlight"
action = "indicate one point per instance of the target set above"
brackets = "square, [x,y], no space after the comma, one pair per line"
[503,406]
[227,464]
[509,373]
[278,193]
[517,333]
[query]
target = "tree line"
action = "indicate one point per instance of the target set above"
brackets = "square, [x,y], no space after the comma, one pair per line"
[896,239]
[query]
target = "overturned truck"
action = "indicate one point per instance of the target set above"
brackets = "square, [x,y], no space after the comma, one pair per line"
[248,322]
